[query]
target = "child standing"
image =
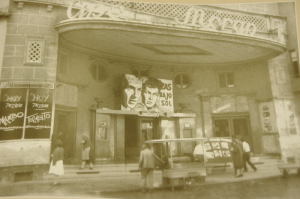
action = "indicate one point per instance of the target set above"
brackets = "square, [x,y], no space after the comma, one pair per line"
[57,165]
[85,153]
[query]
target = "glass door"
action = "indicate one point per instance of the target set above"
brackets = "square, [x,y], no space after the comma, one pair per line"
[222,128]
[146,130]
[232,125]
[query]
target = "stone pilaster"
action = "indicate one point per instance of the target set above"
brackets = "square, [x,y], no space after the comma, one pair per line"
[283,99]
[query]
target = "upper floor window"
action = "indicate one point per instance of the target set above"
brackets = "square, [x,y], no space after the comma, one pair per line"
[181,81]
[295,63]
[34,51]
[98,71]
[63,63]
[226,80]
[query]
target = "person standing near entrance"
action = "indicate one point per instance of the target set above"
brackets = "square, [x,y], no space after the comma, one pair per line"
[146,165]
[86,153]
[236,150]
[247,155]
[57,157]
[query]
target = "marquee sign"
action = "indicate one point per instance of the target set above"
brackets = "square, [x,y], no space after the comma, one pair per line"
[193,17]
[196,16]
[147,94]
[79,9]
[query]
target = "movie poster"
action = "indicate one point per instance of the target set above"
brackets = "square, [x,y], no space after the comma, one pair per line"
[147,94]
[39,113]
[12,113]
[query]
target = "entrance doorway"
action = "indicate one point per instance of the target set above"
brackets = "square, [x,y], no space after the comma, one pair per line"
[137,131]
[131,138]
[232,125]
[65,130]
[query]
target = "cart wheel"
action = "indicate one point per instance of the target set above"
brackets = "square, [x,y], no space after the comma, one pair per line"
[285,173]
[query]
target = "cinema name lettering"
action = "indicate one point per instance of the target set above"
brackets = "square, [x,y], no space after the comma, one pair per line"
[79,9]
[195,17]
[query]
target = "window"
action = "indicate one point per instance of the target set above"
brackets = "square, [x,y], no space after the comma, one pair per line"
[63,63]
[98,72]
[181,81]
[295,63]
[34,51]
[226,80]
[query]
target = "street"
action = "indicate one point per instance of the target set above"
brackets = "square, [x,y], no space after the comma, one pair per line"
[271,188]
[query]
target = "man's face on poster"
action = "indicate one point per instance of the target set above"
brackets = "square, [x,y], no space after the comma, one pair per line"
[132,92]
[150,96]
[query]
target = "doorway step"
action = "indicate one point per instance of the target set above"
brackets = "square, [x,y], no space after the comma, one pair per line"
[102,171]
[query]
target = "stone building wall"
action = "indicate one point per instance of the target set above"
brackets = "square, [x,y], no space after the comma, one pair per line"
[28,22]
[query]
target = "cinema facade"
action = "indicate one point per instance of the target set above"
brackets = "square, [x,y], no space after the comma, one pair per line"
[125,72]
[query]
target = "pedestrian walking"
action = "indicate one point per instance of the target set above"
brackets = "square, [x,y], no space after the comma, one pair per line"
[247,155]
[146,165]
[57,165]
[86,153]
[236,150]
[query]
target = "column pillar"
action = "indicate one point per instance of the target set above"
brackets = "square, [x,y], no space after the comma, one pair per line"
[284,104]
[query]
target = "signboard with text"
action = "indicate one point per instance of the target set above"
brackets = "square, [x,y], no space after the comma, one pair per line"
[39,111]
[12,113]
[34,104]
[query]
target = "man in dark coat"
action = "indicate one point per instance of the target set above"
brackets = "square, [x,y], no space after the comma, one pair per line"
[146,165]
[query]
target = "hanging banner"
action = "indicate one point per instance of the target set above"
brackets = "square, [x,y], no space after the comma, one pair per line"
[12,109]
[39,113]
[147,94]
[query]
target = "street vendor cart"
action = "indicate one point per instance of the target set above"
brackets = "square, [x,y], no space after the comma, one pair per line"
[181,167]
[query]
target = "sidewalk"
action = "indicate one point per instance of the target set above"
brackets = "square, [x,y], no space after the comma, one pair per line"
[118,183]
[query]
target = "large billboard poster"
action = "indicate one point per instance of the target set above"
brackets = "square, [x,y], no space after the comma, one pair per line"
[12,113]
[34,105]
[39,112]
[147,94]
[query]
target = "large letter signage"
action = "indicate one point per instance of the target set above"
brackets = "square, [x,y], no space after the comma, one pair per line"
[79,10]
[195,17]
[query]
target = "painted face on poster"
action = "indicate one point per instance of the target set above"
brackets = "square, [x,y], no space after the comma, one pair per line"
[150,97]
[131,92]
